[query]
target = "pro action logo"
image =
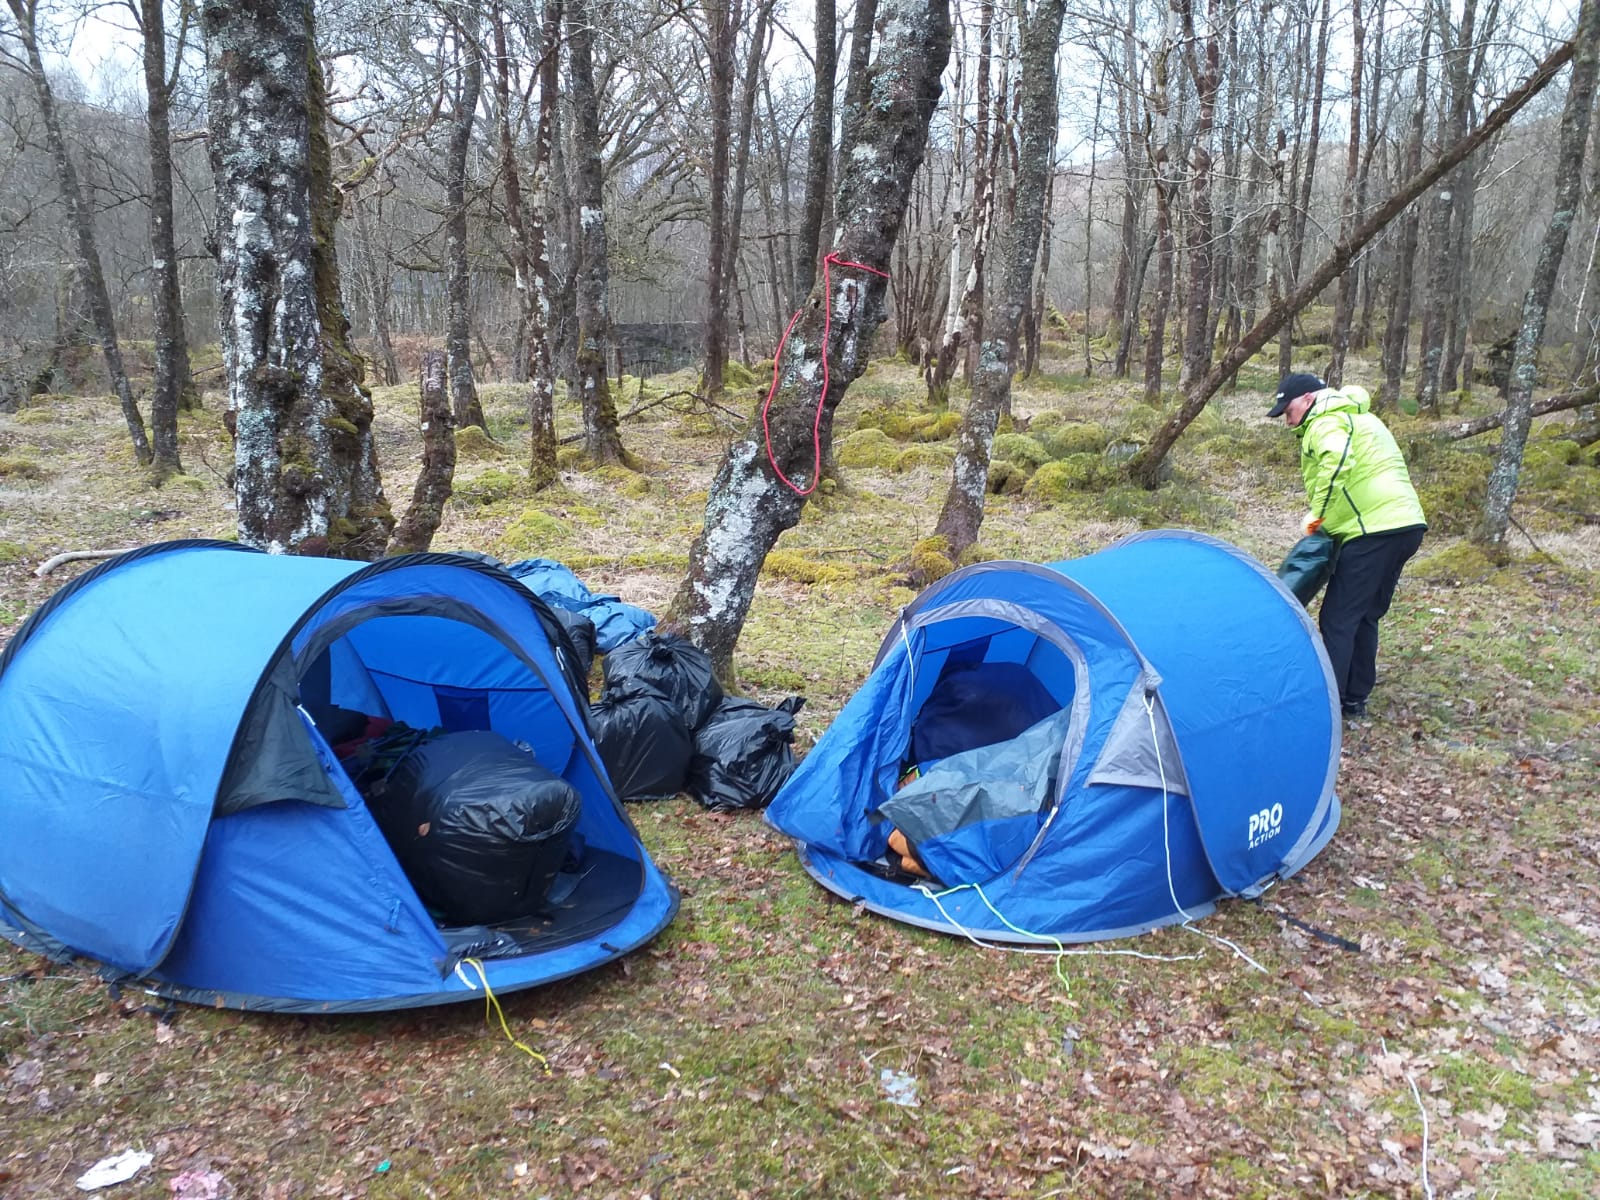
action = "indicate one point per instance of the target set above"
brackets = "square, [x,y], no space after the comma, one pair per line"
[1265,825]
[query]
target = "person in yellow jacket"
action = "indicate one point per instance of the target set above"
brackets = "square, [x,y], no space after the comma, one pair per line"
[1359,491]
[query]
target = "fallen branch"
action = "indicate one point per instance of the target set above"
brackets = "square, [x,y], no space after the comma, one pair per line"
[1560,402]
[66,556]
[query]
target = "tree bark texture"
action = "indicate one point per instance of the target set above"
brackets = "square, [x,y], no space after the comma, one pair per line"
[1307,170]
[1397,330]
[1440,218]
[722,26]
[1568,186]
[541,277]
[1159,143]
[819,149]
[306,477]
[458,340]
[967,312]
[516,206]
[414,533]
[87,264]
[749,505]
[740,167]
[172,381]
[1145,467]
[602,441]
[1344,304]
[1207,75]
[1017,250]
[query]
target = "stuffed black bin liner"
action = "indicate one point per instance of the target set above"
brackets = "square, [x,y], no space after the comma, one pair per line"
[743,753]
[673,666]
[480,828]
[643,741]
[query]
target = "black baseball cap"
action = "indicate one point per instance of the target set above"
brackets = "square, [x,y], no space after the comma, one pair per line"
[1291,389]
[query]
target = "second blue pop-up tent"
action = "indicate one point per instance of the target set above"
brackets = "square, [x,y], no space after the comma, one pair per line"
[1081,750]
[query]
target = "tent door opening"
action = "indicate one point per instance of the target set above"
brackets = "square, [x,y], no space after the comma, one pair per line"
[991,711]
[384,686]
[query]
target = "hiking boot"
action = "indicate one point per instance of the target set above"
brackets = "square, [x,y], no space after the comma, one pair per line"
[1353,710]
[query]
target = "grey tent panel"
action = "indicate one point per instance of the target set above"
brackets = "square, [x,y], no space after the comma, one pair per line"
[1132,756]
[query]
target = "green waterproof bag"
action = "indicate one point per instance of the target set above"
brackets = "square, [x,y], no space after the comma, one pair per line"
[1308,565]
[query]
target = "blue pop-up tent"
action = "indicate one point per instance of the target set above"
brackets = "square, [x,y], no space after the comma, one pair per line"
[1077,751]
[173,811]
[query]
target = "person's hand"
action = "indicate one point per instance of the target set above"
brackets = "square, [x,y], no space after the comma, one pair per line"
[1311,524]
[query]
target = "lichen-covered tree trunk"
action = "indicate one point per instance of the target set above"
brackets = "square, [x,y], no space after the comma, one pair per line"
[435,481]
[885,133]
[602,441]
[1016,251]
[458,341]
[1567,185]
[172,379]
[306,472]
[1145,467]
[87,264]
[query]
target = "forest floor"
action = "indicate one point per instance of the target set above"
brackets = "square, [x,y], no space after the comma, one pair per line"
[776,1042]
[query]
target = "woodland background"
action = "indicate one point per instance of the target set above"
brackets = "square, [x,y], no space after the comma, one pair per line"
[742,1053]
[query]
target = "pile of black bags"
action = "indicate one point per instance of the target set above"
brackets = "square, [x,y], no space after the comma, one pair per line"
[663,726]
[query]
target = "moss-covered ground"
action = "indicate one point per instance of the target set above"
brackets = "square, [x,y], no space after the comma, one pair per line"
[744,1052]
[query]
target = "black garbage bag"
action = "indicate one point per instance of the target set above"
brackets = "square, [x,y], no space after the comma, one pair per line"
[643,741]
[581,630]
[1308,565]
[479,826]
[743,753]
[673,666]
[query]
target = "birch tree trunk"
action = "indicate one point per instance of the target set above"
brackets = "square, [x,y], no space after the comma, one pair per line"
[1441,214]
[306,472]
[1397,330]
[172,388]
[1157,139]
[87,263]
[967,311]
[750,502]
[1016,251]
[602,441]
[1574,136]
[1301,191]
[722,25]
[1145,467]
[458,341]
[740,168]
[1207,75]
[819,149]
[1344,304]
[436,479]
[543,444]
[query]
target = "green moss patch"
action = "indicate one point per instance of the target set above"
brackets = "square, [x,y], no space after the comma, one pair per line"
[867,447]
[20,468]
[1020,448]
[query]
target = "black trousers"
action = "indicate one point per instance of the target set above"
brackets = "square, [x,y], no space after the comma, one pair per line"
[1358,596]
